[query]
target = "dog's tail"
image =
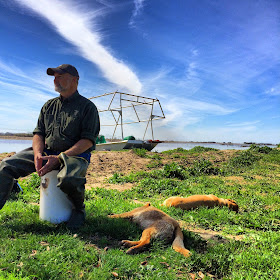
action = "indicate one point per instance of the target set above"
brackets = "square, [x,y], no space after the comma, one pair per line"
[178,243]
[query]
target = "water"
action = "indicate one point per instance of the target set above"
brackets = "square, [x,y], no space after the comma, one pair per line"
[12,145]
[187,146]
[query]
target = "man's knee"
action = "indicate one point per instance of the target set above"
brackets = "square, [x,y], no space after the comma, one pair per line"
[18,165]
[69,184]
[8,169]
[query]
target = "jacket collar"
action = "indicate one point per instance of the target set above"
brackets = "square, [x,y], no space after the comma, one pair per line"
[71,98]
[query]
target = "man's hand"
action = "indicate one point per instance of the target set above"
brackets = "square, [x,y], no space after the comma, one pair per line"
[52,163]
[38,161]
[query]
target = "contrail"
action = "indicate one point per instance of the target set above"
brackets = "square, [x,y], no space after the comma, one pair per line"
[74,26]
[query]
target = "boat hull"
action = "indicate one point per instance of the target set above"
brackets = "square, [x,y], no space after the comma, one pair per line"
[139,144]
[127,144]
[111,146]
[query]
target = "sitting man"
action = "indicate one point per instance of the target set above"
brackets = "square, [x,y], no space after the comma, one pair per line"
[65,135]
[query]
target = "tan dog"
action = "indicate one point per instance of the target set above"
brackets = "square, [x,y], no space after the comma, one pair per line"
[155,224]
[196,201]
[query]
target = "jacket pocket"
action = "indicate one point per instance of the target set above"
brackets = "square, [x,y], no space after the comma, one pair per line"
[49,119]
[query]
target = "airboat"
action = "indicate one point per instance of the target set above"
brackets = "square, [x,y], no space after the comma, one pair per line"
[118,110]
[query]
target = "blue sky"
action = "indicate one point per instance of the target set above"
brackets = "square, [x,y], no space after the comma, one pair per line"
[213,64]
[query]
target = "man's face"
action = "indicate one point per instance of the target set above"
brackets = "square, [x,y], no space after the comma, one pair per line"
[63,82]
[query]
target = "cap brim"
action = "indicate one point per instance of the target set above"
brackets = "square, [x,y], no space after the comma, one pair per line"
[51,71]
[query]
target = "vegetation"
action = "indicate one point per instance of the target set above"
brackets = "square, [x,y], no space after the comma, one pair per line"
[238,246]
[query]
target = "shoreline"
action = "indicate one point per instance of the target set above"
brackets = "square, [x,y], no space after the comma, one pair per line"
[16,137]
[245,144]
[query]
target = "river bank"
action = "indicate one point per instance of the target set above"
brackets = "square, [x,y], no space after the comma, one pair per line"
[244,144]
[10,144]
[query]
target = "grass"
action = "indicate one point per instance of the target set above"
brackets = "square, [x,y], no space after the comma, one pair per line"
[242,246]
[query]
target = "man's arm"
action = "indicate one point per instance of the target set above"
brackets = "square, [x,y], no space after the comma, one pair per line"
[38,145]
[53,162]
[80,147]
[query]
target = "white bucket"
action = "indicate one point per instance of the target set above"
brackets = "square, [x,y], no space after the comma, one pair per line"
[55,206]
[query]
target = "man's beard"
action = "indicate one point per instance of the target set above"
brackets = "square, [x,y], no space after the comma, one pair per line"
[59,88]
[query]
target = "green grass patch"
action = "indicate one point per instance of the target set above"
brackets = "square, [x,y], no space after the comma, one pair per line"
[140,152]
[240,246]
[196,149]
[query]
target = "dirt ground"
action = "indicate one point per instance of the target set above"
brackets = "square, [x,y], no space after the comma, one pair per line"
[106,163]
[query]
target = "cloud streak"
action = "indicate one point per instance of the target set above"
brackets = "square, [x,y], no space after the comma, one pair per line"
[74,25]
[28,83]
[243,124]
[138,7]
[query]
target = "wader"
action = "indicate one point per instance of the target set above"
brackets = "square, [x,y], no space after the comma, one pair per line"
[71,179]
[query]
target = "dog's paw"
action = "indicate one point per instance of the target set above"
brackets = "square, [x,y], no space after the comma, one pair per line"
[131,251]
[113,216]
[128,243]
[185,253]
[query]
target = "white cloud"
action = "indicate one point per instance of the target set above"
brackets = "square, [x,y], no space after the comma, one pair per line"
[138,7]
[22,95]
[75,25]
[27,92]
[274,91]
[243,124]
[28,83]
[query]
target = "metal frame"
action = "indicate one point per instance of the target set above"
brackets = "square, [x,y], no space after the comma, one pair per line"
[140,101]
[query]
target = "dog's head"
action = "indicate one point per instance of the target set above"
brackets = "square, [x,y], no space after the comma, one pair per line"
[232,205]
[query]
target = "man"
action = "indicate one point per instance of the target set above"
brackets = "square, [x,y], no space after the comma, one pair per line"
[65,135]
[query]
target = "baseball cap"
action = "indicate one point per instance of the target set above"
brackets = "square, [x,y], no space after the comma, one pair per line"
[63,68]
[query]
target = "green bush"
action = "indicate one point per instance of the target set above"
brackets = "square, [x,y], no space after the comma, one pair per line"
[174,170]
[149,187]
[177,150]
[140,152]
[258,149]
[203,167]
[200,149]
[196,149]
[273,156]
[245,158]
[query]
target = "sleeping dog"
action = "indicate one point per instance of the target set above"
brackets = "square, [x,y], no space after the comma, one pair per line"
[196,201]
[155,224]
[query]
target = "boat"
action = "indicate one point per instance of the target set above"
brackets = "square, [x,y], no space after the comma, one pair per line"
[125,109]
[142,144]
[127,144]
[111,146]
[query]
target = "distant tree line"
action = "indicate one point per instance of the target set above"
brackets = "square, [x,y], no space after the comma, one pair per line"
[24,134]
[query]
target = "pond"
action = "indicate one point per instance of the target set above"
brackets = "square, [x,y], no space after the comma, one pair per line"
[14,145]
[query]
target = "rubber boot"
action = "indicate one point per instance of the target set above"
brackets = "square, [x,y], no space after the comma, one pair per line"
[71,180]
[18,165]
